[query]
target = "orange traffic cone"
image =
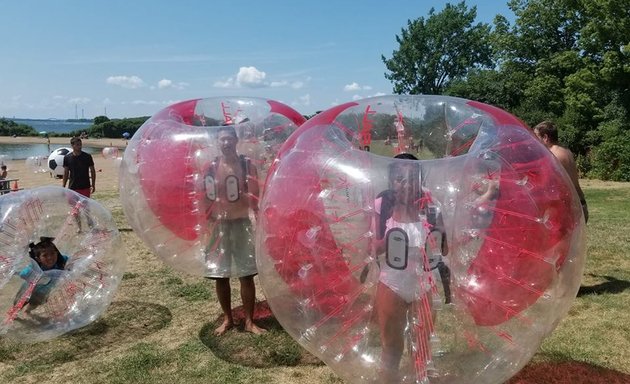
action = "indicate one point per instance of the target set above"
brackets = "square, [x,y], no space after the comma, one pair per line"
[15,186]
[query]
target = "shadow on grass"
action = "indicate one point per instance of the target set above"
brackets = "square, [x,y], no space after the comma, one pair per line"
[123,321]
[613,285]
[271,349]
[568,372]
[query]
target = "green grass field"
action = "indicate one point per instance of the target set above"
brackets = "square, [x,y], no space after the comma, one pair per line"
[159,327]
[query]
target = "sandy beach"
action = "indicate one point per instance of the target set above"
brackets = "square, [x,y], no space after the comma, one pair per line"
[98,143]
[106,169]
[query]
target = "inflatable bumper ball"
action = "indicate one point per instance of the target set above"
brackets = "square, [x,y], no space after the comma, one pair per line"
[61,261]
[192,175]
[447,269]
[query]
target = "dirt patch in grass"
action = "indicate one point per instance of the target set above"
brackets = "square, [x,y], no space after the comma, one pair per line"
[568,372]
[271,349]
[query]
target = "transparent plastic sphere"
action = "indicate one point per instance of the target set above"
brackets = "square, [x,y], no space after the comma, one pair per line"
[191,177]
[110,152]
[39,298]
[37,164]
[55,160]
[450,269]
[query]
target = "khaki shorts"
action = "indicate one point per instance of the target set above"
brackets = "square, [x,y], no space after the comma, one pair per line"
[231,251]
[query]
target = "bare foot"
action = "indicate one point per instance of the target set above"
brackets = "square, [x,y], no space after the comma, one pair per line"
[253,328]
[226,326]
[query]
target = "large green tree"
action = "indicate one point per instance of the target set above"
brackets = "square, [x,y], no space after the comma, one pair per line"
[436,51]
[571,59]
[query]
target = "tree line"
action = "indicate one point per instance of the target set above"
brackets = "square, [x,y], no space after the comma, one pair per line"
[11,128]
[562,60]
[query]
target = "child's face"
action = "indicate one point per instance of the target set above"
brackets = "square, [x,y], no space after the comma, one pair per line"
[405,184]
[47,258]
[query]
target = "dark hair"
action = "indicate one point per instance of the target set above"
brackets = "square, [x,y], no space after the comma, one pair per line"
[3,167]
[406,156]
[75,140]
[549,129]
[46,243]
[388,196]
[229,129]
[394,166]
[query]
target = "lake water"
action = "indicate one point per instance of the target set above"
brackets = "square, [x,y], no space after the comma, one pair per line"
[22,151]
[57,126]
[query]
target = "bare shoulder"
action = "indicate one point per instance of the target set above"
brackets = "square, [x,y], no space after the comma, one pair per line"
[564,155]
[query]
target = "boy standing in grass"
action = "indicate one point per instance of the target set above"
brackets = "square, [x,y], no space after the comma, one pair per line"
[78,168]
[547,133]
[232,189]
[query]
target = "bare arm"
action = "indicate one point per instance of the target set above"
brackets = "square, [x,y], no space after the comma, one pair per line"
[565,157]
[440,227]
[66,173]
[253,187]
[93,175]
[378,245]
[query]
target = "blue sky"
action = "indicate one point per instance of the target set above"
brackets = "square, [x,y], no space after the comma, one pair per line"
[133,58]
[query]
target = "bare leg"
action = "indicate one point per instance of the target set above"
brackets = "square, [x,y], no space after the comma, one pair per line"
[225,299]
[248,295]
[392,310]
[445,276]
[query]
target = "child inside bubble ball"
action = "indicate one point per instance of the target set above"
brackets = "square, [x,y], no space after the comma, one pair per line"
[403,296]
[47,257]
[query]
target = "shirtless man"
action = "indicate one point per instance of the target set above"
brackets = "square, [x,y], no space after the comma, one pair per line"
[232,189]
[547,133]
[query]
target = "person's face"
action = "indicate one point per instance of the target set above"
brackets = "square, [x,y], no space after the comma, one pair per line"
[47,258]
[227,143]
[77,145]
[542,138]
[405,184]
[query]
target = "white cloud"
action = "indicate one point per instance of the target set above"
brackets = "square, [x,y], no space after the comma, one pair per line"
[247,77]
[352,87]
[250,77]
[358,97]
[146,102]
[229,83]
[276,84]
[304,100]
[282,83]
[166,83]
[285,83]
[130,82]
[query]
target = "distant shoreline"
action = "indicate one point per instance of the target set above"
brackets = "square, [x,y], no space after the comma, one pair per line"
[97,143]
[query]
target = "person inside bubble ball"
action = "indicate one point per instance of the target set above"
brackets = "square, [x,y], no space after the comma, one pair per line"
[403,229]
[232,189]
[47,257]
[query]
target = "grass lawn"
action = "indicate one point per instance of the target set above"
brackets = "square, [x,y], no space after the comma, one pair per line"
[159,328]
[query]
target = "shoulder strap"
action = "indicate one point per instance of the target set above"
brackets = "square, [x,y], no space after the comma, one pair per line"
[245,167]
[387,207]
[212,170]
